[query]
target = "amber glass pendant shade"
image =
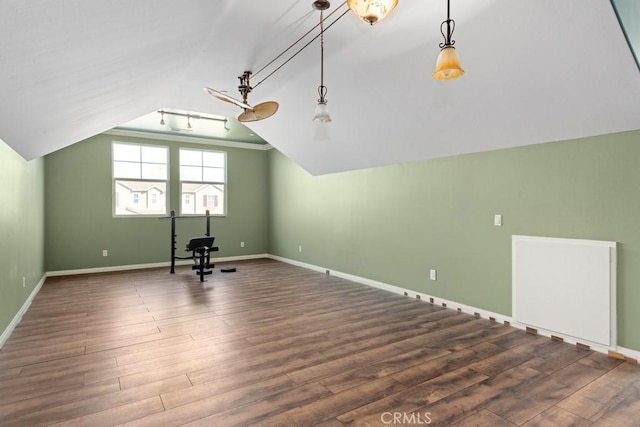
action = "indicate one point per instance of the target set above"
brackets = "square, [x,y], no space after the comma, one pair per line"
[448,64]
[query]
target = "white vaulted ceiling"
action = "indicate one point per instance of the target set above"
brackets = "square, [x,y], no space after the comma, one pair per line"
[536,72]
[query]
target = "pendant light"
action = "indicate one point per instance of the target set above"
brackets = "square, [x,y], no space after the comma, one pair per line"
[448,64]
[372,11]
[322,111]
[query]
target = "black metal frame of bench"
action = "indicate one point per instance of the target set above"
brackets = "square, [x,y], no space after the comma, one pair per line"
[200,248]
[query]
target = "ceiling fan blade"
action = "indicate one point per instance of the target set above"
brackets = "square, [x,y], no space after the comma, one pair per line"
[224,97]
[259,112]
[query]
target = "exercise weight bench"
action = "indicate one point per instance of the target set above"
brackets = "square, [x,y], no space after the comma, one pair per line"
[201,248]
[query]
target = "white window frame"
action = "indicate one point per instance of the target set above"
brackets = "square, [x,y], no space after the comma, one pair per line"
[195,200]
[141,198]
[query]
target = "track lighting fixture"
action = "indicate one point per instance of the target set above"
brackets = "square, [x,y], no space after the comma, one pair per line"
[190,116]
[322,111]
[448,64]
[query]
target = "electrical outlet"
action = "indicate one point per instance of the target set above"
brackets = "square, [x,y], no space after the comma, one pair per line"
[242,244]
[24,281]
[105,252]
[497,220]
[299,248]
[432,274]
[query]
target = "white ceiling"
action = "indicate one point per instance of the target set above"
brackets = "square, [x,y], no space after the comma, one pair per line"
[536,71]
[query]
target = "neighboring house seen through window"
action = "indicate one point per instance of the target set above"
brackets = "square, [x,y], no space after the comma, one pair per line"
[202,182]
[140,174]
[210,201]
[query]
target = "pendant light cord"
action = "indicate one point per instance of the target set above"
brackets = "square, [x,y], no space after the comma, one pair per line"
[451,26]
[303,47]
[321,57]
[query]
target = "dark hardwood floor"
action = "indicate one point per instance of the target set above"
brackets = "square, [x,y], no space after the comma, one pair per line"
[278,345]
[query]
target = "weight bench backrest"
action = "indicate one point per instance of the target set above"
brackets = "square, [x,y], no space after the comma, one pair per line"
[200,242]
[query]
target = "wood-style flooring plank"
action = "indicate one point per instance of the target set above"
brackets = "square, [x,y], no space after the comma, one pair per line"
[413,399]
[338,382]
[25,358]
[16,389]
[10,412]
[601,396]
[78,412]
[555,416]
[477,397]
[116,414]
[258,410]
[333,405]
[487,418]
[624,412]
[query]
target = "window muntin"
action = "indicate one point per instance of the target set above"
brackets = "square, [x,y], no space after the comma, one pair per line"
[140,174]
[202,182]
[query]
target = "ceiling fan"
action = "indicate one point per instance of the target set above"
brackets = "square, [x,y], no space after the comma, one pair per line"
[251,113]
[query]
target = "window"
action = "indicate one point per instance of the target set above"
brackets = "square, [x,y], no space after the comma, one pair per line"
[139,179]
[202,181]
[210,201]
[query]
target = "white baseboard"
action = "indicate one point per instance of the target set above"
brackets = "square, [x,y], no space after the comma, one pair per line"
[402,291]
[166,264]
[18,317]
[629,353]
[455,306]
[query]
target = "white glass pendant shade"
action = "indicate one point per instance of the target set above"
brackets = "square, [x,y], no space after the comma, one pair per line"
[322,113]
[448,64]
[372,11]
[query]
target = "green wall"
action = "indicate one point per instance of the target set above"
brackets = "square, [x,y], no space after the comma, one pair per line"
[80,224]
[21,231]
[392,224]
